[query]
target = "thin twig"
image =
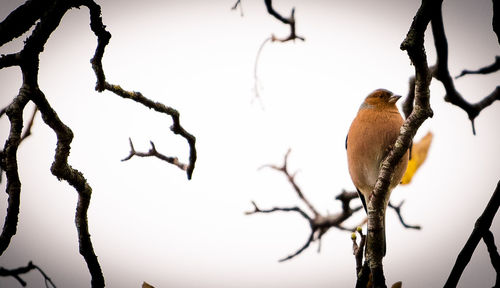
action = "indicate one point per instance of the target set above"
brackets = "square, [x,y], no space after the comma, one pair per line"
[255,70]
[236,5]
[403,222]
[494,67]
[154,153]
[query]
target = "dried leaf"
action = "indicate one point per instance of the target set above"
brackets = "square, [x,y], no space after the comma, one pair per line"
[398,284]
[418,156]
[146,285]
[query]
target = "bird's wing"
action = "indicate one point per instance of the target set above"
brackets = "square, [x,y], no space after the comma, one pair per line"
[362,199]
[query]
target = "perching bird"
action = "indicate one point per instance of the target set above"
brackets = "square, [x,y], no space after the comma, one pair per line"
[372,133]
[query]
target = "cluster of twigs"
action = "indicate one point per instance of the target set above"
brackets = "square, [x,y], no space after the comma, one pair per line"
[319,223]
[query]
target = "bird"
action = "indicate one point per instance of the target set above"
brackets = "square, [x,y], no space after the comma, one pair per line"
[371,135]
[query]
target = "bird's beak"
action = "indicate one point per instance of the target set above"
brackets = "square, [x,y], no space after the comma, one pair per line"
[394,98]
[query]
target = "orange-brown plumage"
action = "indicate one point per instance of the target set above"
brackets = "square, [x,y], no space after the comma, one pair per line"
[372,132]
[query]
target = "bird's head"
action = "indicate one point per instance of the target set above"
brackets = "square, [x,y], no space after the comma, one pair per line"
[380,98]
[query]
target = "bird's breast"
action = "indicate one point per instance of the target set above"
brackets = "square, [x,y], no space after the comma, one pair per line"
[370,135]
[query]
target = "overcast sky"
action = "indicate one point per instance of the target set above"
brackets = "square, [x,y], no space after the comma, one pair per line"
[149,223]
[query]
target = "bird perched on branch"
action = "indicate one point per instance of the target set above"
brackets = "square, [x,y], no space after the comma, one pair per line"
[372,133]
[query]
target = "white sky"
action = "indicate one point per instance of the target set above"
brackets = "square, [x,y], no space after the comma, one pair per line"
[148,223]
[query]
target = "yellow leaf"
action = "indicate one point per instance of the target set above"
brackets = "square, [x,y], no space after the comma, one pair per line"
[418,156]
[398,284]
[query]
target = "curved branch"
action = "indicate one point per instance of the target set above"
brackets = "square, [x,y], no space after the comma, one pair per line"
[442,74]
[103,38]
[9,164]
[63,171]
[301,249]
[159,107]
[403,222]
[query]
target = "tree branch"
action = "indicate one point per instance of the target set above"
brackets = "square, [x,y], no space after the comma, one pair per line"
[23,270]
[442,73]
[494,67]
[154,153]
[103,37]
[403,222]
[414,45]
[236,5]
[319,223]
[481,228]
[489,240]
[291,179]
[289,21]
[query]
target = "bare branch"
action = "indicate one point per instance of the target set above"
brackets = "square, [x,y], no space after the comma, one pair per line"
[319,224]
[289,21]
[23,270]
[103,37]
[275,209]
[236,5]
[159,107]
[495,22]
[291,179]
[489,240]
[442,73]
[481,228]
[484,70]
[398,211]
[255,69]
[301,249]
[357,250]
[27,131]
[154,153]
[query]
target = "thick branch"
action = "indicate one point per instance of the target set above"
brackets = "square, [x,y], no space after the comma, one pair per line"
[414,45]
[63,171]
[489,240]
[21,20]
[481,228]
[495,22]
[9,164]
